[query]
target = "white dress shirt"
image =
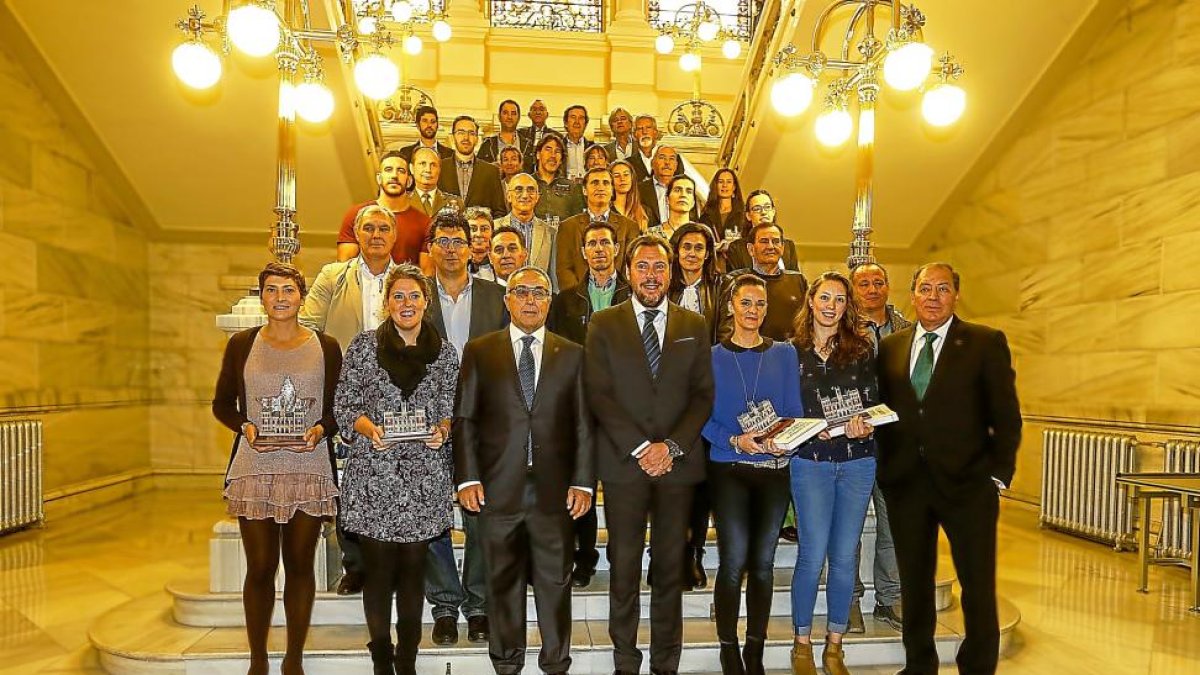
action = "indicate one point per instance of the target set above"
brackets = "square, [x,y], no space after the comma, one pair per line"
[660,327]
[456,314]
[372,293]
[660,191]
[919,343]
[575,157]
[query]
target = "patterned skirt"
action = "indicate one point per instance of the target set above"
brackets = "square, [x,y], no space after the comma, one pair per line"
[279,495]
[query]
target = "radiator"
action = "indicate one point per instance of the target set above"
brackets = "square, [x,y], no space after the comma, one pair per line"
[1176,540]
[1080,494]
[20,474]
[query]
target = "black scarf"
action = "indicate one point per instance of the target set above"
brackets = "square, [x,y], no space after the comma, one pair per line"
[406,365]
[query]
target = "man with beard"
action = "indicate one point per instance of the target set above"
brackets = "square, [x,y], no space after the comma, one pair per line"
[428,198]
[557,197]
[623,145]
[511,164]
[575,121]
[646,136]
[395,181]
[508,255]
[653,189]
[427,127]
[598,190]
[570,313]
[508,114]
[464,174]
[539,238]
[785,288]
[648,375]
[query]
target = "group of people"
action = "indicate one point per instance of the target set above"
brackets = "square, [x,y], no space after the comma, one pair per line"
[517,364]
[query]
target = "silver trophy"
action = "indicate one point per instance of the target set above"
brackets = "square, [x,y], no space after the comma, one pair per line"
[284,419]
[408,424]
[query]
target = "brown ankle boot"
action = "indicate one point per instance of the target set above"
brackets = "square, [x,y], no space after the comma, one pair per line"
[802,659]
[832,660]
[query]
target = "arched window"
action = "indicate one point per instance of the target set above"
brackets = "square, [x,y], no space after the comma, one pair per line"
[580,16]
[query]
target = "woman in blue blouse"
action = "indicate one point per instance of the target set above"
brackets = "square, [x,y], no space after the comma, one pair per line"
[749,481]
[832,475]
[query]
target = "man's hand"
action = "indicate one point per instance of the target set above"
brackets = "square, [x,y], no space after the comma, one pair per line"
[471,498]
[578,502]
[656,460]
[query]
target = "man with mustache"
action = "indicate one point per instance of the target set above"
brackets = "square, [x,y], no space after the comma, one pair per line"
[785,288]
[557,197]
[538,237]
[395,182]
[598,190]
[427,126]
[648,375]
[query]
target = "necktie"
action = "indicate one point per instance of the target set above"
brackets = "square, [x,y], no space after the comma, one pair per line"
[428,202]
[923,370]
[526,371]
[650,341]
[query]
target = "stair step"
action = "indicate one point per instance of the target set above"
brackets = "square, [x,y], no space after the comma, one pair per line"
[194,605]
[140,637]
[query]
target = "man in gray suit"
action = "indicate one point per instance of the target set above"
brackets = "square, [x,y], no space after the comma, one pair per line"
[540,238]
[461,308]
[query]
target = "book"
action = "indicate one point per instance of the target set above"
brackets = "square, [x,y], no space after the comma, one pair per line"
[790,432]
[876,416]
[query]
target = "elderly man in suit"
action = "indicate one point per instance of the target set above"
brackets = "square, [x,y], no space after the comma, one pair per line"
[426,196]
[345,299]
[598,190]
[944,463]
[540,239]
[523,460]
[650,385]
[477,181]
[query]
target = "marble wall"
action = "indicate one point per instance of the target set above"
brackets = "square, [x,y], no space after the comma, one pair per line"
[74,318]
[1083,241]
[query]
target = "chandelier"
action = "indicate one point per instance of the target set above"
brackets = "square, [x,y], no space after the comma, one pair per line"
[852,85]
[695,25]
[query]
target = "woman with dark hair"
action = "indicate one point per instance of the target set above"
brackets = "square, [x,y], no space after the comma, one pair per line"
[275,391]
[397,378]
[724,209]
[626,199]
[832,475]
[760,207]
[595,157]
[558,197]
[749,480]
[681,206]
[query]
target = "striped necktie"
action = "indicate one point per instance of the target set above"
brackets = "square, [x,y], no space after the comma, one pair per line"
[650,341]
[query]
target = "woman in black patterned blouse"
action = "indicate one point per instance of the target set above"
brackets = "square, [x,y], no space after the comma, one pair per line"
[397,493]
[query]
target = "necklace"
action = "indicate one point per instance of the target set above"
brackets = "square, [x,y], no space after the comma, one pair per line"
[746,392]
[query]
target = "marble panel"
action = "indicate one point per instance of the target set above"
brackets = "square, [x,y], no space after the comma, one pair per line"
[1138,45]
[1158,100]
[104,202]
[87,444]
[29,214]
[1032,153]
[1070,95]
[88,321]
[1181,262]
[53,172]
[1127,166]
[18,367]
[16,157]
[35,316]
[1091,228]
[1165,321]
[1126,272]
[1025,331]
[23,108]
[1051,285]
[997,294]
[998,210]
[1187,33]
[20,260]
[1087,130]
[1088,327]
[1043,377]
[1161,210]
[1183,155]
[1177,381]
[1118,378]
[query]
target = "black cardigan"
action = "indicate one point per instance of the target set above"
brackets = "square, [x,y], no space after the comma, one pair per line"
[229,400]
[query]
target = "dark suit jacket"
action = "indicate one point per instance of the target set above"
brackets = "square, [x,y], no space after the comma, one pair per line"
[649,199]
[967,428]
[570,266]
[488,312]
[444,151]
[737,256]
[489,149]
[711,295]
[571,310]
[492,424]
[631,406]
[485,188]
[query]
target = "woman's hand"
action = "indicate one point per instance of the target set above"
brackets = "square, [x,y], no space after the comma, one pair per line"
[311,437]
[250,433]
[373,433]
[771,448]
[746,443]
[438,435]
[857,427]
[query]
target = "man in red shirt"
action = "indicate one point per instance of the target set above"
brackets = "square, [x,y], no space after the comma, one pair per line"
[395,182]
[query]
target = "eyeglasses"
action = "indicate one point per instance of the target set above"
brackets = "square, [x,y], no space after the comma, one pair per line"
[450,243]
[524,189]
[538,293]
[761,208]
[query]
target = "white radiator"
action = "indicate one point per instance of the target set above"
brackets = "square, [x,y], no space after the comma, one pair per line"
[20,474]
[1176,540]
[1080,494]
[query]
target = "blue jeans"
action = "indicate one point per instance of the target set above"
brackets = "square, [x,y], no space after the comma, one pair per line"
[831,505]
[445,593]
[886,571]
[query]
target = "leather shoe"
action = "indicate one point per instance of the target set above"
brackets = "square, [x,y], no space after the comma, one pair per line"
[581,576]
[694,568]
[789,534]
[445,630]
[856,624]
[351,583]
[890,615]
[477,629]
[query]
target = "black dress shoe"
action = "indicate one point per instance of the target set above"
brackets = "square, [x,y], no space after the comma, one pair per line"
[477,629]
[351,583]
[445,630]
[789,534]
[581,577]
[694,568]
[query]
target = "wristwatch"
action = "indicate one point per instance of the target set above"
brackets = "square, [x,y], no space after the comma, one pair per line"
[733,444]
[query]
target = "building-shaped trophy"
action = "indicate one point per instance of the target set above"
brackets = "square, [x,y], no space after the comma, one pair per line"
[840,407]
[761,420]
[408,424]
[284,418]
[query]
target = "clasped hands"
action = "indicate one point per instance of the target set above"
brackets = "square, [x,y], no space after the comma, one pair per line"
[311,437]
[439,433]
[655,459]
[578,501]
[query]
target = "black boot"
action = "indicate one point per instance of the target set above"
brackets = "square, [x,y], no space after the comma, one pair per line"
[381,657]
[752,656]
[694,571]
[731,660]
[405,658]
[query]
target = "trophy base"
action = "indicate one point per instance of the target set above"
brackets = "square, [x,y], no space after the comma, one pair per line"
[421,436]
[279,442]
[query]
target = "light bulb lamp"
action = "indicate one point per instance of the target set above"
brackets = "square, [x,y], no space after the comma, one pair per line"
[362,30]
[695,25]
[902,61]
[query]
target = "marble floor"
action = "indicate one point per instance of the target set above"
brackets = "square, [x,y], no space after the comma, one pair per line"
[1080,613]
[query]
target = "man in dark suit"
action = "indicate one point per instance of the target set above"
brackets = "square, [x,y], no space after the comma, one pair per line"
[426,196]
[653,189]
[570,259]
[944,462]
[464,174]
[649,382]
[427,127]
[462,308]
[523,459]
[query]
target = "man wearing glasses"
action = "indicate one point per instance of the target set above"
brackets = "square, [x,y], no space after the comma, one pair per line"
[523,460]
[760,208]
[465,309]
[465,174]
[539,238]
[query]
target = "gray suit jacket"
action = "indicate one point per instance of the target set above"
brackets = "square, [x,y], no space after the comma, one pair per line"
[334,302]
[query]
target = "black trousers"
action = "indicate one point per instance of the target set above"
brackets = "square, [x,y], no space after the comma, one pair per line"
[585,528]
[916,510]
[626,509]
[513,544]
